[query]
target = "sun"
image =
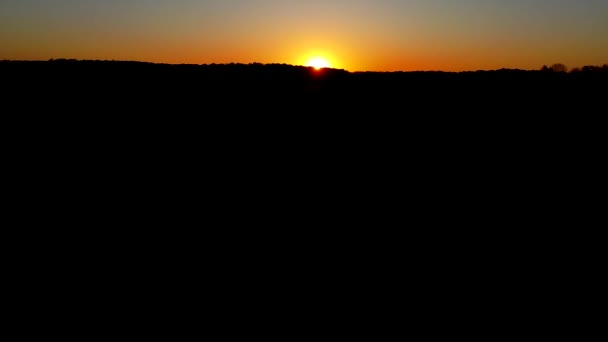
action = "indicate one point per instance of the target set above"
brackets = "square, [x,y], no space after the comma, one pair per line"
[318,63]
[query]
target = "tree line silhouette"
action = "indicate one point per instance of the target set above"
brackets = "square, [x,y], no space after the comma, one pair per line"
[560,67]
[428,128]
[284,87]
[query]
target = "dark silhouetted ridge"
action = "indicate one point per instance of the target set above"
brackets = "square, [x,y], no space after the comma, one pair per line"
[385,115]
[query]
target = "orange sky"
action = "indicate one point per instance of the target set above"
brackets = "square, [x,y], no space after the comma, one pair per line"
[357,35]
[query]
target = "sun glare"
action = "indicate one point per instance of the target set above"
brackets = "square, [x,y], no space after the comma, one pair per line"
[318,63]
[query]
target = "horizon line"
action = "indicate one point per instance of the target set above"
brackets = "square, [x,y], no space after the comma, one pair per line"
[288,64]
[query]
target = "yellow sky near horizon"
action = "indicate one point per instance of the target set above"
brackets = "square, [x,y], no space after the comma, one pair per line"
[356,35]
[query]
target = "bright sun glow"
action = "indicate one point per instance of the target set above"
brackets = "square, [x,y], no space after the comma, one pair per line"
[318,63]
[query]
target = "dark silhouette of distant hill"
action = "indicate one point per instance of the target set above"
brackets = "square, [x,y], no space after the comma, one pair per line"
[281,88]
[441,155]
[127,98]
[128,77]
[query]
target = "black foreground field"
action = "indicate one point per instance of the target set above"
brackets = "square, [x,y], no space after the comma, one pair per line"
[281,88]
[446,175]
[285,98]
[308,188]
[240,113]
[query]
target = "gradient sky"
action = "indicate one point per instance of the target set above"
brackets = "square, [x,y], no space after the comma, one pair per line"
[356,35]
